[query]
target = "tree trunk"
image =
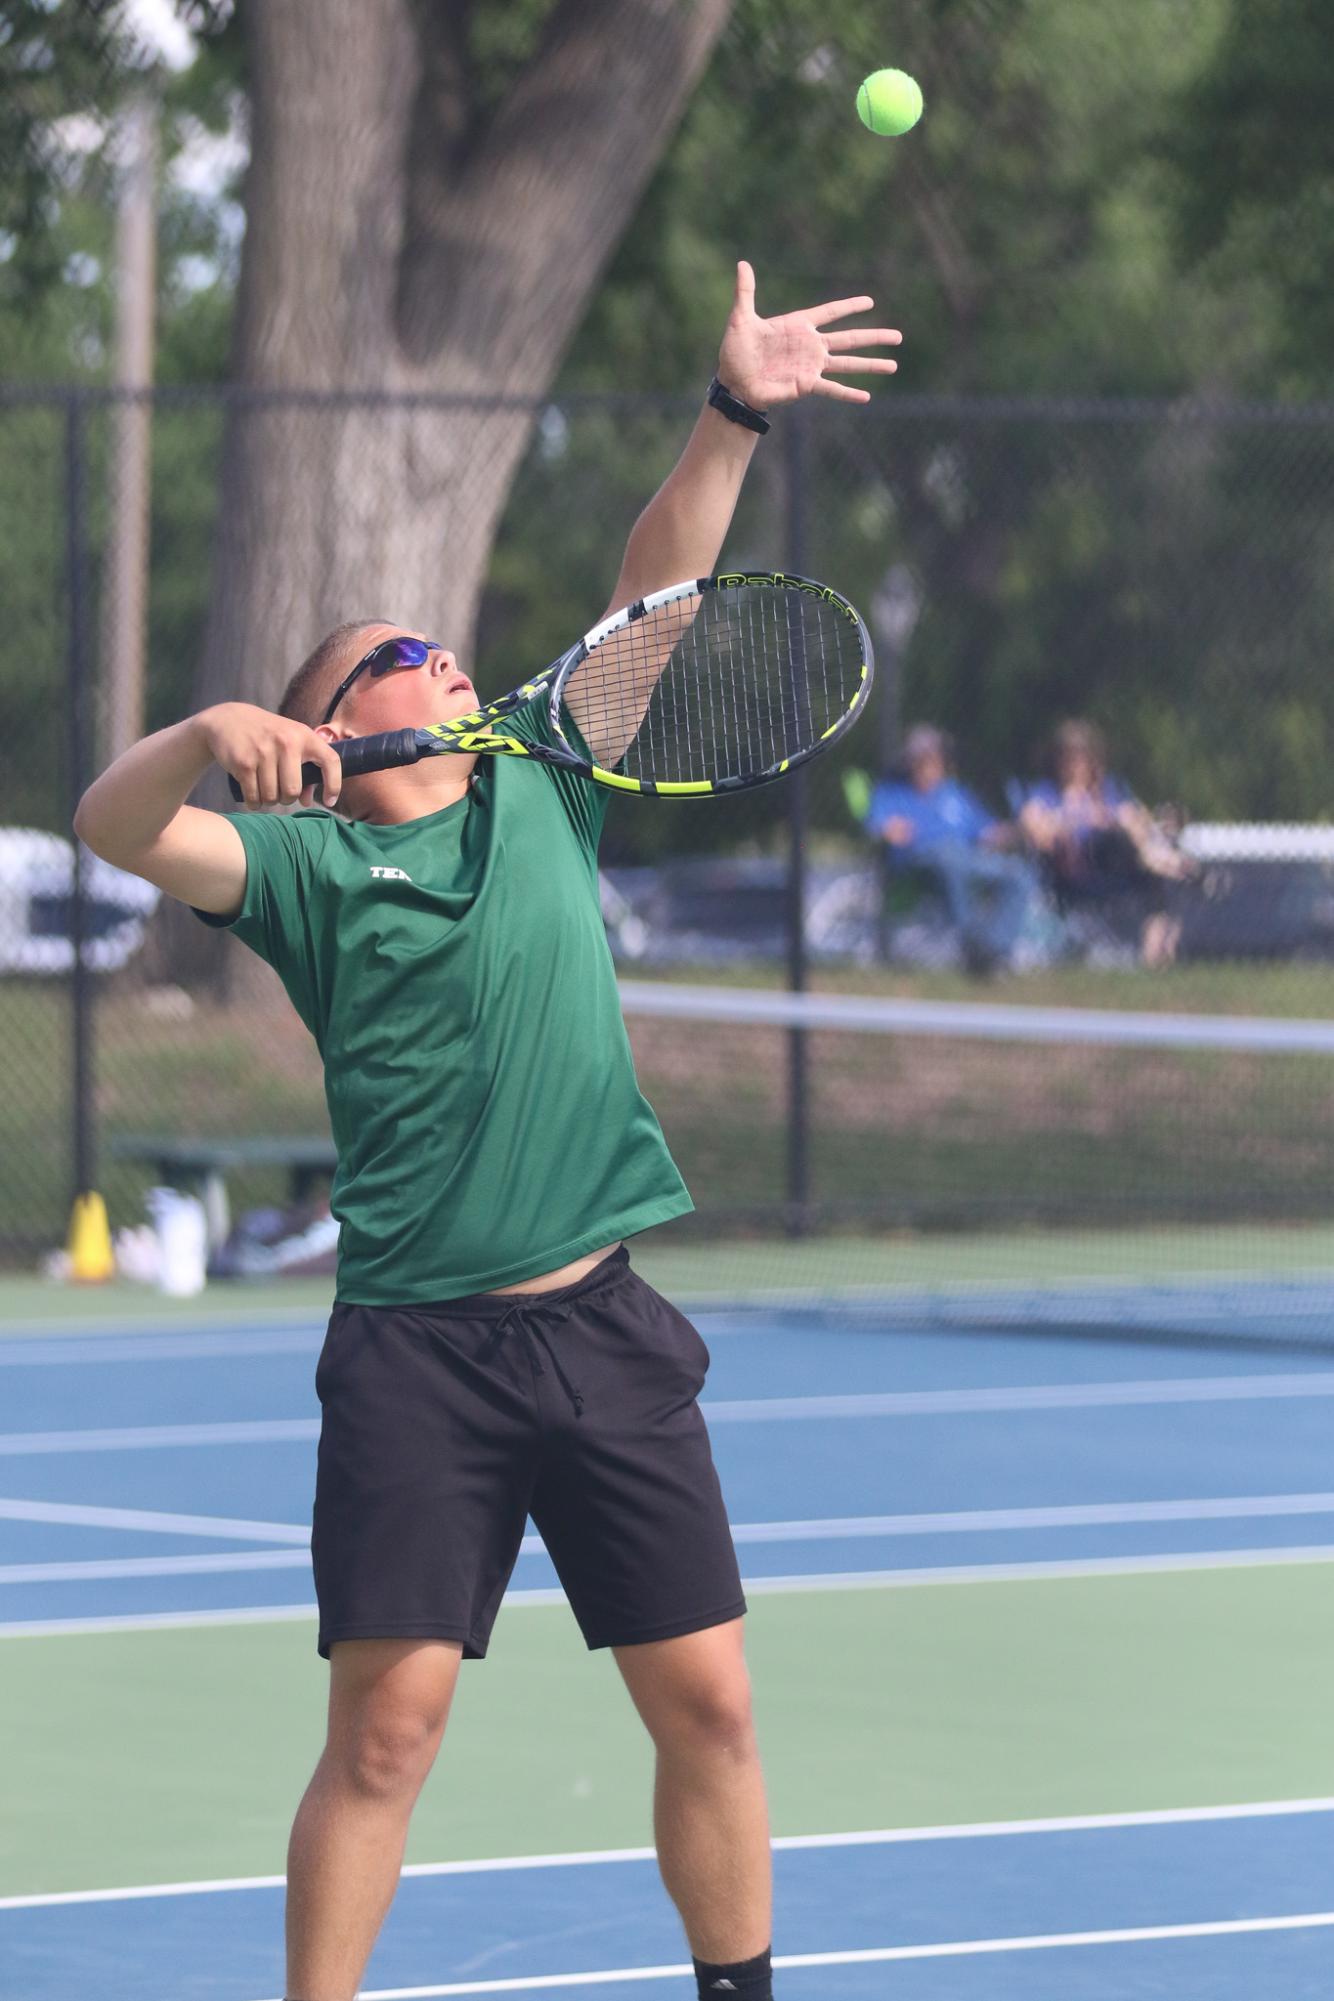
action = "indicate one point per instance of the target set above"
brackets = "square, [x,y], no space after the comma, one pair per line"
[401,245]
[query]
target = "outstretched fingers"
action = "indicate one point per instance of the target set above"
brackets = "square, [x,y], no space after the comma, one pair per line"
[837,309]
[862,364]
[841,390]
[842,362]
[838,343]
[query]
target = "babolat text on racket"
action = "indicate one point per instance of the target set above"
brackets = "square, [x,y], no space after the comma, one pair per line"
[710,686]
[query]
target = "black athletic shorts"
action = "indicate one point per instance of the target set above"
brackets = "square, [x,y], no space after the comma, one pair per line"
[445,1426]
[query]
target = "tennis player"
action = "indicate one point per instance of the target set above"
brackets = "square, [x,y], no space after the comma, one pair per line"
[491,1354]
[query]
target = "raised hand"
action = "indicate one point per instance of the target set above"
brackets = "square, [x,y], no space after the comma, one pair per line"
[775,361]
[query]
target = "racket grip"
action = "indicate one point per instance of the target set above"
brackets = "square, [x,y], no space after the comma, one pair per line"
[377,753]
[359,753]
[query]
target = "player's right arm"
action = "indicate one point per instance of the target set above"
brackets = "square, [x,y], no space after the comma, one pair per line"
[135,815]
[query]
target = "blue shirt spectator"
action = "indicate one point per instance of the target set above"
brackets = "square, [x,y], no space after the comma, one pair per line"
[947,812]
[931,821]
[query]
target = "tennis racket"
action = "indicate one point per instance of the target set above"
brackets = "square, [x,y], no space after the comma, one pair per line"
[711,686]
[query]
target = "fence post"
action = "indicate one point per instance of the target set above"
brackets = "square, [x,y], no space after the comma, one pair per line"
[798,1081]
[78,721]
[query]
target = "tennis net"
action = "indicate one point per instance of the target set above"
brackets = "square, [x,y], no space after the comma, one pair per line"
[981,1164]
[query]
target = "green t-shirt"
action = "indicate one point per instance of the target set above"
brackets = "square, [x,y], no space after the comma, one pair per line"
[455,974]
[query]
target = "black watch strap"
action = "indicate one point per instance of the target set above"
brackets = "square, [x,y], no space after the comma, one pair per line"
[734,409]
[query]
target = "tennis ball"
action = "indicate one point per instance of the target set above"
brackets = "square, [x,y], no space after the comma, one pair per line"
[889,102]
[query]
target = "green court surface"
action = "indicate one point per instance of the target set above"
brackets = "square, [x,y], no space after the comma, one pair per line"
[179,1754]
[689,1269]
[35,1305]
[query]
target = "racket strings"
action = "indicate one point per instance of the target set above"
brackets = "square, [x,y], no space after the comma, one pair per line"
[727,684]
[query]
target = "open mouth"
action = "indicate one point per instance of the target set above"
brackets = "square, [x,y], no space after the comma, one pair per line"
[458,684]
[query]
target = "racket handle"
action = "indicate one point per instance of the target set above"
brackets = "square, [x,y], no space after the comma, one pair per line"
[360,753]
[376,753]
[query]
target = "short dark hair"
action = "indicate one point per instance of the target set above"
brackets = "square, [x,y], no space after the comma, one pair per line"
[306,695]
[927,740]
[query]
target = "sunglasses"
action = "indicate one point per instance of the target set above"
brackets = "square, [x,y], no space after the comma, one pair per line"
[383,659]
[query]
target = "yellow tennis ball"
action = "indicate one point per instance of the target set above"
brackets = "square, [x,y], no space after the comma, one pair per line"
[889,102]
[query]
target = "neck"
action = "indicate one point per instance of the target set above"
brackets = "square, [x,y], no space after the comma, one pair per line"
[409,791]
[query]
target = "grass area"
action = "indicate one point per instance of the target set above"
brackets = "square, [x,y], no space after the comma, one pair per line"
[904,1133]
[957,1134]
[246,1069]
[34,1113]
[180,1754]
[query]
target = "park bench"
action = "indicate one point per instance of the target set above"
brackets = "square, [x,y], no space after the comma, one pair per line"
[201,1166]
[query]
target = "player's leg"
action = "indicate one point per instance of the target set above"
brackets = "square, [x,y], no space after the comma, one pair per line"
[709,1814]
[420,1498]
[629,1505]
[388,1703]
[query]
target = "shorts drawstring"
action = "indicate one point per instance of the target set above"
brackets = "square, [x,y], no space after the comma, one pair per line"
[526,1315]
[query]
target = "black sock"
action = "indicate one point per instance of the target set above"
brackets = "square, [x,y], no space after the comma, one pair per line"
[748,1979]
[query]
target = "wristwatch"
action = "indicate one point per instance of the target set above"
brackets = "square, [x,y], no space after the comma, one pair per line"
[734,409]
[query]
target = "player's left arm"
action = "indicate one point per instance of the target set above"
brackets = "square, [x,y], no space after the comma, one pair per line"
[681,531]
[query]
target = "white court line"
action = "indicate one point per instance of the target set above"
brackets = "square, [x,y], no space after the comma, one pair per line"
[751,1410]
[988,1521]
[872,1956]
[1018,1573]
[159,1437]
[100,1570]
[152,1622]
[966,1830]
[1052,1570]
[983,1521]
[150,1521]
[1036,1396]
[59,1351]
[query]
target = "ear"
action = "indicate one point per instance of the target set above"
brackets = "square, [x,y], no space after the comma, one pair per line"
[334,732]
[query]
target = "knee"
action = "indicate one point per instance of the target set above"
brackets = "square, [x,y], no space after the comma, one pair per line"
[713,1715]
[386,1754]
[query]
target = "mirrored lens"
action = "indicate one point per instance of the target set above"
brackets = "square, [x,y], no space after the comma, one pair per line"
[399,653]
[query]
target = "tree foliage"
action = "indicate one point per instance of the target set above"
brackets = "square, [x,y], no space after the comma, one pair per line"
[1082,213]
[55,62]
[1249,138]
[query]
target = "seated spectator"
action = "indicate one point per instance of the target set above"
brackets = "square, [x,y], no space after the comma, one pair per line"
[1101,846]
[929,821]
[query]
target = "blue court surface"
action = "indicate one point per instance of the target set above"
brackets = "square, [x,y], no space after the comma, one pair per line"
[163,1479]
[1218,1906]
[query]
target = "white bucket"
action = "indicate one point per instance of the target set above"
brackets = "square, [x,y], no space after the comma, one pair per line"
[182,1235]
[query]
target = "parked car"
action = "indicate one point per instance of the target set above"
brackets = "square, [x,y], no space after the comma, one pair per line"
[36,884]
[1251,900]
[706,911]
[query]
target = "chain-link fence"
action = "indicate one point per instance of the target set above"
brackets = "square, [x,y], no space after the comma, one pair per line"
[1164,573]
